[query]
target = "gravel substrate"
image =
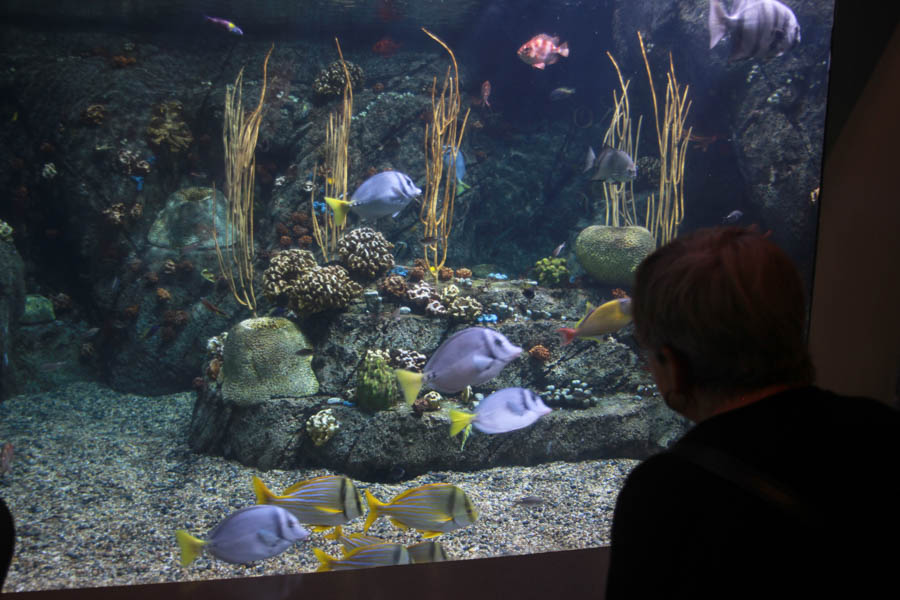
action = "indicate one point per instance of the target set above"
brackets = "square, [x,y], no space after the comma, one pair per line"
[101,480]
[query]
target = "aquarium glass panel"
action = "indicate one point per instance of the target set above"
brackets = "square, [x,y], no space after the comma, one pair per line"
[282,280]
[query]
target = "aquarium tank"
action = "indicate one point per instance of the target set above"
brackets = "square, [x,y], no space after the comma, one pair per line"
[299,286]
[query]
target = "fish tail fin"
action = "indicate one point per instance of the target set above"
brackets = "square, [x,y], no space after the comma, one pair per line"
[563,49]
[459,420]
[190,546]
[324,559]
[263,494]
[374,509]
[461,187]
[566,335]
[410,383]
[340,208]
[718,22]
[335,535]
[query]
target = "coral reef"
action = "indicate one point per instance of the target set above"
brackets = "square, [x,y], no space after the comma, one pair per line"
[611,254]
[294,279]
[551,272]
[330,81]
[365,252]
[163,295]
[449,294]
[376,385]
[6,232]
[539,353]
[407,359]
[322,426]
[167,128]
[434,308]
[421,293]
[430,402]
[393,285]
[463,273]
[445,274]
[94,114]
[465,308]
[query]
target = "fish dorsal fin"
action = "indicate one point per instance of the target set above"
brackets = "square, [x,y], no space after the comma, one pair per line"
[588,309]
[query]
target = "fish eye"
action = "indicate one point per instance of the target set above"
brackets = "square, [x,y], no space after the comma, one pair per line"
[498,342]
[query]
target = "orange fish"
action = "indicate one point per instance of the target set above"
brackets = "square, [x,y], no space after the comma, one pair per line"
[486,93]
[542,50]
[385,46]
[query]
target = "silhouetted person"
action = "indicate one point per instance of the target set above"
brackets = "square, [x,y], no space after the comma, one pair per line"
[781,489]
[7,540]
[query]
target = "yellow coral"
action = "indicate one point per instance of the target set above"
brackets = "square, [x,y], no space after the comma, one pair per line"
[167,127]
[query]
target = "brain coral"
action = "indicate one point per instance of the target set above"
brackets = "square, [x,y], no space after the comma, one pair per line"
[365,252]
[611,254]
[295,279]
[266,356]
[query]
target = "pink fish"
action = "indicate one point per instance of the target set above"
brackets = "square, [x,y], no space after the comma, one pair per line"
[225,24]
[542,50]
[486,93]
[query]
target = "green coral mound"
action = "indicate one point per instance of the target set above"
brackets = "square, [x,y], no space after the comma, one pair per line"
[551,272]
[376,385]
[611,254]
[265,357]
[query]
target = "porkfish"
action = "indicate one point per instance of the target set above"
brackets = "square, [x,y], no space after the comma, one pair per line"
[431,509]
[427,551]
[469,357]
[353,540]
[321,502]
[603,320]
[377,555]
[247,535]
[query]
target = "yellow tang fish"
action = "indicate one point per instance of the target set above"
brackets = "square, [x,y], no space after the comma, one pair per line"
[605,319]
[321,502]
[431,509]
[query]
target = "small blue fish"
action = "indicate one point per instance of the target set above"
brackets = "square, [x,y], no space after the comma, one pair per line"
[460,168]
[377,555]
[732,217]
[506,410]
[224,24]
[469,357]
[382,194]
[431,509]
[139,180]
[245,536]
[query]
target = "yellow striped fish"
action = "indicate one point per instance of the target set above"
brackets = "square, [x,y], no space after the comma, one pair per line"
[378,555]
[427,551]
[321,502]
[431,509]
[353,540]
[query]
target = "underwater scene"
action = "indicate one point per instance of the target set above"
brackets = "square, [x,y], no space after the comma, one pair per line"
[320,285]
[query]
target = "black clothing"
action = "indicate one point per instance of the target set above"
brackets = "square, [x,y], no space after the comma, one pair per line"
[793,494]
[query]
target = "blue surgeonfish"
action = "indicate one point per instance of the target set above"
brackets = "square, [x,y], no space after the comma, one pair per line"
[469,357]
[352,541]
[248,535]
[505,410]
[377,555]
[321,502]
[460,168]
[607,318]
[431,509]
[382,194]
[427,551]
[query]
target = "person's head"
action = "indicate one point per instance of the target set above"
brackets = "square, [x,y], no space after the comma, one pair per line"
[728,305]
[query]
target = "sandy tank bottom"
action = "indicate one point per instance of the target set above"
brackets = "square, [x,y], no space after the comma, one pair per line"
[101,480]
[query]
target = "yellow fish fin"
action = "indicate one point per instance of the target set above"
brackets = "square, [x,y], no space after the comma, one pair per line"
[588,309]
[328,509]
[190,546]
[410,383]
[430,534]
[324,559]
[263,495]
[336,534]
[340,208]
[459,420]
[375,506]
[398,524]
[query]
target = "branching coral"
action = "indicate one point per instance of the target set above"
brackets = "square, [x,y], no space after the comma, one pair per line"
[365,252]
[167,127]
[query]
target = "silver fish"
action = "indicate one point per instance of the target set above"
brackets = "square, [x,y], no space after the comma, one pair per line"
[611,165]
[469,357]
[245,536]
[758,28]
[505,410]
[732,217]
[558,249]
[561,93]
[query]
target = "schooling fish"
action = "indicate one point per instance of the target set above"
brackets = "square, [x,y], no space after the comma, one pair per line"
[353,540]
[611,165]
[758,28]
[250,534]
[505,410]
[224,24]
[377,555]
[460,168]
[732,217]
[382,194]
[606,318]
[469,357]
[542,50]
[431,509]
[321,502]
[427,551]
